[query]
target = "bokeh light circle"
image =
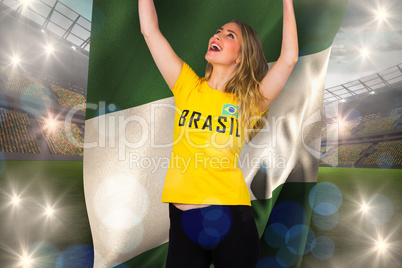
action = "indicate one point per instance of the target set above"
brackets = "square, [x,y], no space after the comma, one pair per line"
[285,258]
[323,248]
[44,253]
[207,226]
[79,255]
[121,201]
[326,222]
[269,261]
[295,238]
[380,209]
[325,198]
[275,234]
[213,214]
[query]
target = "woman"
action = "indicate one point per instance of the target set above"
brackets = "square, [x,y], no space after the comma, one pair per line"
[209,203]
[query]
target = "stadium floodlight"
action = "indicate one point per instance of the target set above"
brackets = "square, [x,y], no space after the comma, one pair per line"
[73,47]
[342,100]
[49,49]
[26,261]
[381,14]
[372,92]
[15,200]
[365,52]
[43,31]
[365,208]
[51,124]
[381,246]
[15,60]
[49,211]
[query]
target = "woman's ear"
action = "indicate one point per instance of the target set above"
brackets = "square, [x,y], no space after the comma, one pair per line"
[238,60]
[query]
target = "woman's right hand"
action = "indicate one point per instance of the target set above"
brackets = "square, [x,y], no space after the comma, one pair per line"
[168,63]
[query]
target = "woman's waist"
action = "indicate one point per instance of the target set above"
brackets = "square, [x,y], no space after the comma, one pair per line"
[185,207]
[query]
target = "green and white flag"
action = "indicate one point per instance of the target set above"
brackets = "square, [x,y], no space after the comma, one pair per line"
[130,115]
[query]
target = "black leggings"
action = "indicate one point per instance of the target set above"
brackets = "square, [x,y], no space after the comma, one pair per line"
[223,235]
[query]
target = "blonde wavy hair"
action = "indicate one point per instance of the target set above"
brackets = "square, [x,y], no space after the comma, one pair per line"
[245,81]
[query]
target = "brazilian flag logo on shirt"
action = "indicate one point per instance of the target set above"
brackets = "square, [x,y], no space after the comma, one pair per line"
[230,109]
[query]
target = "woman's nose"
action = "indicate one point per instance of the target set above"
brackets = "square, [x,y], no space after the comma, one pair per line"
[217,36]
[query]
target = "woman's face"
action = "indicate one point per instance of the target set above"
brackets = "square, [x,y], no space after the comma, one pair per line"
[225,45]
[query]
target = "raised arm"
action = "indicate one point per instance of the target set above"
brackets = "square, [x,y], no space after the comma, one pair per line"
[168,63]
[275,80]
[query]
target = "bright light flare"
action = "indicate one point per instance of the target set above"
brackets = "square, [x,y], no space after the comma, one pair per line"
[381,246]
[26,261]
[384,14]
[49,49]
[16,200]
[365,208]
[51,124]
[15,60]
[381,15]
[365,52]
[49,211]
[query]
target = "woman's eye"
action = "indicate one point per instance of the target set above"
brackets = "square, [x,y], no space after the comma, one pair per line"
[231,36]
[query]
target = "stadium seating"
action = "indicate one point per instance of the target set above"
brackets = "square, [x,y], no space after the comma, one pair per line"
[346,154]
[379,125]
[68,98]
[343,130]
[386,153]
[25,84]
[61,142]
[14,134]
[16,137]
[326,149]
[396,111]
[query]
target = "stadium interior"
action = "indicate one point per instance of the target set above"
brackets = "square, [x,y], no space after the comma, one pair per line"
[43,82]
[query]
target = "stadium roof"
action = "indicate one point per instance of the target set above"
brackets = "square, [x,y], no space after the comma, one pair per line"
[56,17]
[368,84]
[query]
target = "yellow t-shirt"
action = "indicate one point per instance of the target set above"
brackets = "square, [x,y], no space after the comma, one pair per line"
[207,141]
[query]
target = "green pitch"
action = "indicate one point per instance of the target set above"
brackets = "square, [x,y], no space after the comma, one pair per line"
[366,230]
[25,226]
[59,184]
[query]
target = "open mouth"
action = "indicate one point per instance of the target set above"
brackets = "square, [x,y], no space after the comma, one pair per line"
[215,47]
